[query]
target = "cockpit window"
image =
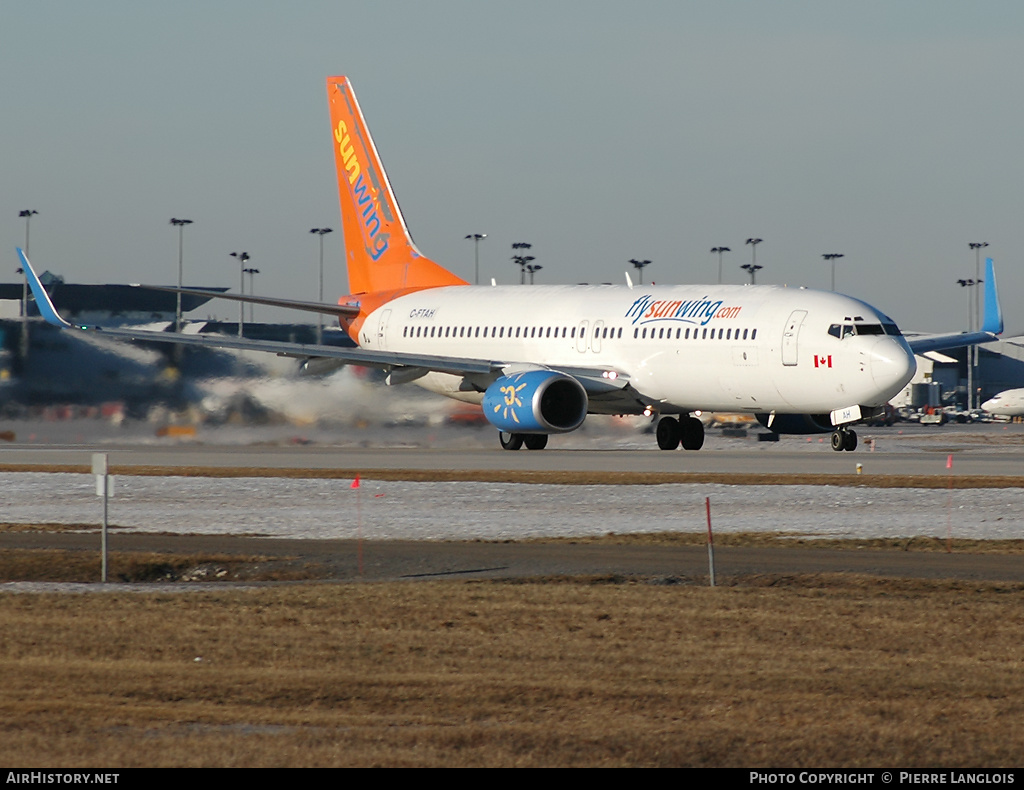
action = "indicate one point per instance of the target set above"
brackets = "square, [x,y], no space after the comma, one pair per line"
[846,330]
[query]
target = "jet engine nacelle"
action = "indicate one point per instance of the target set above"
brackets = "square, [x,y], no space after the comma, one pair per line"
[797,423]
[536,401]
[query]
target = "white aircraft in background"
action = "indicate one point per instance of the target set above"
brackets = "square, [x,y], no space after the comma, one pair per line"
[539,359]
[1008,403]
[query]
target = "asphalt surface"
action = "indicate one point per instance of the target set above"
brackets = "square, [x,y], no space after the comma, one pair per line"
[352,561]
[906,449]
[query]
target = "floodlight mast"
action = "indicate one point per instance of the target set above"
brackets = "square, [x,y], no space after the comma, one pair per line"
[720,250]
[180,224]
[242,258]
[320,319]
[477,238]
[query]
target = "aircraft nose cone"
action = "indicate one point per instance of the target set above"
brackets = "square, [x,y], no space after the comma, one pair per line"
[892,365]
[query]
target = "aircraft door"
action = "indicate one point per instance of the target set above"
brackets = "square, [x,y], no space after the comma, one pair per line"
[790,335]
[382,329]
[595,343]
[581,337]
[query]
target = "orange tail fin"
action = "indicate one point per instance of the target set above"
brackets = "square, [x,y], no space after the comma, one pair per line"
[379,251]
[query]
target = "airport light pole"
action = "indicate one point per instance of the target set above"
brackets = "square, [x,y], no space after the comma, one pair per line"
[720,250]
[751,269]
[639,266]
[252,291]
[970,326]
[831,257]
[180,224]
[27,214]
[477,238]
[521,259]
[242,258]
[753,251]
[321,232]
[977,246]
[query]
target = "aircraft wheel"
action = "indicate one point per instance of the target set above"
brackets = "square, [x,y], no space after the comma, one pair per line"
[668,433]
[535,441]
[510,441]
[692,433]
[850,441]
[838,440]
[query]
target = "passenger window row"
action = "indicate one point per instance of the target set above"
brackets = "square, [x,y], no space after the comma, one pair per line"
[512,332]
[604,333]
[698,333]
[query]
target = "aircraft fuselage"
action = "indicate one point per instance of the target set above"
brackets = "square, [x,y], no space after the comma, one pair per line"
[725,348]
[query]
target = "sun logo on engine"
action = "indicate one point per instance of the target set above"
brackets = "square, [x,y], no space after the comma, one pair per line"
[510,394]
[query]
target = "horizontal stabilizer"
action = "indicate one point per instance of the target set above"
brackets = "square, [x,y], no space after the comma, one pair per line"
[341,310]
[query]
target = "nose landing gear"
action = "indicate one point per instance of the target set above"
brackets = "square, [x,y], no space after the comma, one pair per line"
[514,441]
[844,439]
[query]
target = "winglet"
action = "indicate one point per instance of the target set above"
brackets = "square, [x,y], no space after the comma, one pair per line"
[992,321]
[46,308]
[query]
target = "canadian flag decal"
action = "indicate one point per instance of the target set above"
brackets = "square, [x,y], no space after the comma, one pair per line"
[822,361]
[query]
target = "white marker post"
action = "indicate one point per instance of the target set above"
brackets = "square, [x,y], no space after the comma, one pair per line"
[104,488]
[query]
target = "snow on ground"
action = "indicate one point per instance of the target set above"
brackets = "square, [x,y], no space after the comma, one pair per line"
[462,511]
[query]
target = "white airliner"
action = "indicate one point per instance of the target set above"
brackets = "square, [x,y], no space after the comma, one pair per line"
[1008,403]
[541,358]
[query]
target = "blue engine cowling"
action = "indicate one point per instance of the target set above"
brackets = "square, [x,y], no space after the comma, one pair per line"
[537,401]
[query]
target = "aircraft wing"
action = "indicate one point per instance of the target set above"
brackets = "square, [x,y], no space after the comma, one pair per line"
[402,366]
[991,325]
[346,310]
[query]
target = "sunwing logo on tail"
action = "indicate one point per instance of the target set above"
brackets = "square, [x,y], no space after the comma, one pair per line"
[364,194]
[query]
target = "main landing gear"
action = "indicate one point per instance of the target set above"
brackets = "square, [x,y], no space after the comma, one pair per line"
[844,439]
[514,441]
[687,431]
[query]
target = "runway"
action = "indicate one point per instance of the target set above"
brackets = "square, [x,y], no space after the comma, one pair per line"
[977,450]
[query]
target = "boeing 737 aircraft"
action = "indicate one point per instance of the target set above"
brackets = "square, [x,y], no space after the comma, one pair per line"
[1008,403]
[540,359]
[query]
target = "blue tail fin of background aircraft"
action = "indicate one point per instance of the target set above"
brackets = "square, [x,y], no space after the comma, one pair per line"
[992,321]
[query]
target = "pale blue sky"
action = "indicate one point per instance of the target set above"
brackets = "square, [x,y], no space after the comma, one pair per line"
[598,131]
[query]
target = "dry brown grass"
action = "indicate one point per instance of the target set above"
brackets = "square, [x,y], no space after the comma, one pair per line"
[786,672]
